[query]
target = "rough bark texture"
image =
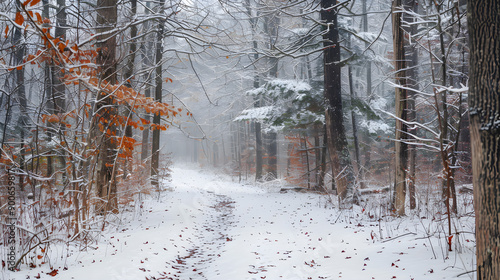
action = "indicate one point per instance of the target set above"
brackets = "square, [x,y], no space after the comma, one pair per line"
[401,148]
[484,102]
[106,59]
[337,142]
[155,152]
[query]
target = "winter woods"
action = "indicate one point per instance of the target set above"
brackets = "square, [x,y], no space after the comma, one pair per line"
[346,98]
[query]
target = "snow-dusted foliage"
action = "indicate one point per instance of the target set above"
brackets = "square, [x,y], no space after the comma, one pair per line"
[294,104]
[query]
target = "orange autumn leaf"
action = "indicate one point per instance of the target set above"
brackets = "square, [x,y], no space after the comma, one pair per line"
[53,273]
[34,2]
[19,19]
[6,31]
[38,18]
[39,256]
[20,67]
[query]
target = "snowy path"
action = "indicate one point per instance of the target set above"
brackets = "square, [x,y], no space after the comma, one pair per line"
[211,228]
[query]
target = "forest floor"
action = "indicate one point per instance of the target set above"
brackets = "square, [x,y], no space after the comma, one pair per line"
[209,226]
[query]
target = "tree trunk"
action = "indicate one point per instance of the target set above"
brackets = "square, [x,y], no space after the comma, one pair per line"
[412,81]
[49,89]
[147,57]
[155,152]
[272,156]
[145,133]
[306,153]
[105,108]
[401,148]
[368,63]
[317,158]
[354,124]
[445,119]
[342,169]
[323,160]
[484,27]
[256,82]
[272,23]
[20,90]
[128,76]
[59,90]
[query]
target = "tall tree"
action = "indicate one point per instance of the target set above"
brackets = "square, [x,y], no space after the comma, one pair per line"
[342,168]
[257,125]
[147,57]
[401,148]
[19,47]
[105,107]
[484,27]
[272,22]
[155,152]
[411,7]
[129,73]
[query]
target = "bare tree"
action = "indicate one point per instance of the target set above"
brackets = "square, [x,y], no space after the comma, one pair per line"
[105,107]
[401,148]
[337,141]
[155,152]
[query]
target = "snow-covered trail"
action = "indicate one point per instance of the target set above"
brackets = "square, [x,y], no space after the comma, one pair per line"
[210,227]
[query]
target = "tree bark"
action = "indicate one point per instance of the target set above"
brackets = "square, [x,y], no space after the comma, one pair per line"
[412,81]
[147,56]
[128,75]
[272,24]
[256,82]
[484,27]
[342,169]
[401,148]
[155,152]
[317,158]
[352,94]
[20,50]
[105,108]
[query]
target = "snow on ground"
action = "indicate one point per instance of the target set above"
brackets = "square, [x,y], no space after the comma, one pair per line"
[210,227]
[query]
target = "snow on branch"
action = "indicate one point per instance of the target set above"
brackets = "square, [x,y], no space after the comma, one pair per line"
[258,114]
